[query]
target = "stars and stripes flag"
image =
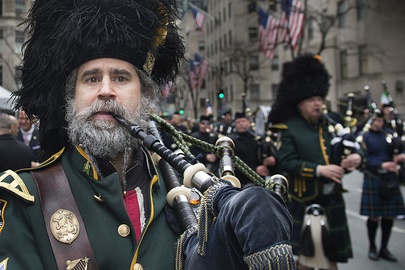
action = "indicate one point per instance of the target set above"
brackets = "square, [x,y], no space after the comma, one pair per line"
[202,68]
[198,17]
[296,22]
[208,108]
[291,22]
[268,30]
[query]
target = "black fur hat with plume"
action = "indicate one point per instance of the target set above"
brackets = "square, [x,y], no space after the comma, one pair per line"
[302,78]
[66,33]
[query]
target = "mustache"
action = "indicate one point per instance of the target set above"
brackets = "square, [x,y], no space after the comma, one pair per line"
[109,106]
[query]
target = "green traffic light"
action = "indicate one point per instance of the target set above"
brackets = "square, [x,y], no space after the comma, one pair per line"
[181,111]
[221,95]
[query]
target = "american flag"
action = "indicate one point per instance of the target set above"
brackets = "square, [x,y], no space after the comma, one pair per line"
[268,30]
[285,14]
[296,22]
[201,68]
[291,21]
[198,17]
[208,108]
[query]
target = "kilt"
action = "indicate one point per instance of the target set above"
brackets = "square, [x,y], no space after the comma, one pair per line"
[373,204]
[334,206]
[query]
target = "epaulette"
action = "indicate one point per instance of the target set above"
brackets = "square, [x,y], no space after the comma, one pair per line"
[279,126]
[13,183]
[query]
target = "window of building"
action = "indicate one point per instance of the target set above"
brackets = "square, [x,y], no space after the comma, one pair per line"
[1,75]
[201,45]
[229,10]
[220,44]
[224,14]
[363,61]
[252,7]
[1,7]
[20,7]
[341,14]
[344,73]
[311,26]
[275,62]
[361,10]
[19,37]
[252,34]
[225,41]
[254,62]
[230,37]
[255,91]
[216,47]
[1,33]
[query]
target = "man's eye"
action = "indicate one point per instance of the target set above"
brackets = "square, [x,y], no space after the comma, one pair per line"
[121,79]
[92,80]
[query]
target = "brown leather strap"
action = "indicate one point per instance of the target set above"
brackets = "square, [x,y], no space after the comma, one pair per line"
[55,193]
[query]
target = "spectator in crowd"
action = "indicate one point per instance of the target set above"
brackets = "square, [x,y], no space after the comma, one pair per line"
[28,133]
[246,146]
[14,154]
[225,126]
[205,133]
[381,198]
[305,153]
[15,125]
[177,122]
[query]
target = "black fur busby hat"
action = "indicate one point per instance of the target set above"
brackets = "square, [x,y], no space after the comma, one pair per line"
[239,115]
[66,33]
[302,78]
[205,118]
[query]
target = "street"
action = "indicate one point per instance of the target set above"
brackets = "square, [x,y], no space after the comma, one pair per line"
[358,230]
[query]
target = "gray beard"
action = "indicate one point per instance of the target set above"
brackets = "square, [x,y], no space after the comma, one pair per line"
[105,139]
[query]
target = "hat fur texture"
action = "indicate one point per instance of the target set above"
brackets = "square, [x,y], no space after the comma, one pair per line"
[66,33]
[302,78]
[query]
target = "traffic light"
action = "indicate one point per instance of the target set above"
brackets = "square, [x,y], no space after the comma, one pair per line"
[181,111]
[221,94]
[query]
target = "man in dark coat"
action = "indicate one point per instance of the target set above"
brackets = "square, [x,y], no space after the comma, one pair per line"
[14,154]
[205,134]
[305,153]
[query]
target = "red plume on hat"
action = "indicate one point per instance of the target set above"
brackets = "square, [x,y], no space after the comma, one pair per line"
[66,33]
[302,78]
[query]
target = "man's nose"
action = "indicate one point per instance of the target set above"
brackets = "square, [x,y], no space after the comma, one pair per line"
[106,89]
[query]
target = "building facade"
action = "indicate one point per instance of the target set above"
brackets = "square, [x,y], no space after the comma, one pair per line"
[359,41]
[12,37]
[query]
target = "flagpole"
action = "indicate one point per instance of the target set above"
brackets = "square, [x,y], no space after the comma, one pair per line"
[206,14]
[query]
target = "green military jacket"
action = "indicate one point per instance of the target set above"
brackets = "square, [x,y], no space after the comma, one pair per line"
[24,242]
[304,146]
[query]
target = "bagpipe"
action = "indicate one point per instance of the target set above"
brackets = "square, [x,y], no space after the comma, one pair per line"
[395,140]
[343,141]
[226,212]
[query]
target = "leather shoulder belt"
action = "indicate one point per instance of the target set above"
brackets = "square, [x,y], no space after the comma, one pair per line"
[64,224]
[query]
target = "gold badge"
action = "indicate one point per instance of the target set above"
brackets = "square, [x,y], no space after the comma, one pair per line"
[64,226]
[79,264]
